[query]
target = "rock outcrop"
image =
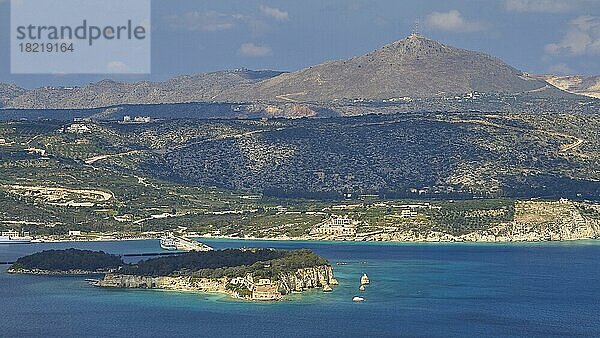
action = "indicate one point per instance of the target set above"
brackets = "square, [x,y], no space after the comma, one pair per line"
[308,278]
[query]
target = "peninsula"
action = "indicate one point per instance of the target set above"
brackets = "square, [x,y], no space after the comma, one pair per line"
[248,274]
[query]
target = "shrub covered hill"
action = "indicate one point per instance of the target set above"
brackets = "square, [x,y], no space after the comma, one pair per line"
[66,261]
[252,274]
[264,263]
[414,155]
[229,262]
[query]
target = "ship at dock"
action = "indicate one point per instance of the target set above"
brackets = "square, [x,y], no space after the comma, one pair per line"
[168,243]
[171,242]
[14,237]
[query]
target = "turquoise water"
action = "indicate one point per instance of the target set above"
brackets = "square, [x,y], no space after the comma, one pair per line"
[416,290]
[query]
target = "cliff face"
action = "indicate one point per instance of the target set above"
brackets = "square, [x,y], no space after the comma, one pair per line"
[304,279]
[299,280]
[182,283]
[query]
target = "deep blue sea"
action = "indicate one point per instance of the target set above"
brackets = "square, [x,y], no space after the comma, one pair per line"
[546,289]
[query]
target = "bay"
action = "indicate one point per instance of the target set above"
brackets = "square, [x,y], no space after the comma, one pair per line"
[417,289]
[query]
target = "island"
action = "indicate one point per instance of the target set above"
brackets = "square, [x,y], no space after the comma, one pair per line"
[248,274]
[66,262]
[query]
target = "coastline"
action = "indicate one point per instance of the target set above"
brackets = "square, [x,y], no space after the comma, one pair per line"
[324,240]
[238,286]
[320,240]
[221,293]
[89,240]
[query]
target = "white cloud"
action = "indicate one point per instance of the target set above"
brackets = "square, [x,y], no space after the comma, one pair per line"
[452,21]
[582,38]
[250,49]
[275,13]
[538,6]
[209,21]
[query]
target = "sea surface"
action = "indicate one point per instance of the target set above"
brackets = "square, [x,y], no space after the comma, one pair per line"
[542,289]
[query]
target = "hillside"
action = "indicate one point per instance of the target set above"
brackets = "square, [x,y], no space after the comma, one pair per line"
[8,92]
[581,85]
[193,88]
[402,155]
[227,177]
[69,261]
[413,67]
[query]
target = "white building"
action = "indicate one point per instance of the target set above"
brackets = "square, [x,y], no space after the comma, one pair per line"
[78,128]
[336,226]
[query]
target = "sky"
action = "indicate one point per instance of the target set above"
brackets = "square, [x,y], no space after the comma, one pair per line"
[191,36]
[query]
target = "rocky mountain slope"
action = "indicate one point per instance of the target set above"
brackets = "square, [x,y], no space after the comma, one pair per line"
[414,67]
[194,88]
[581,85]
[8,92]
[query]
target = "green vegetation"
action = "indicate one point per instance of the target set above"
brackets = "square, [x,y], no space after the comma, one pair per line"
[269,178]
[290,261]
[229,262]
[68,260]
[241,290]
[261,263]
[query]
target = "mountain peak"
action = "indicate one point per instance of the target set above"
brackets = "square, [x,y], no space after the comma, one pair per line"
[414,66]
[417,37]
[414,45]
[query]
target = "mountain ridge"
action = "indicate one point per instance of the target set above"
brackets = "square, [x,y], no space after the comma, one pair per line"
[104,93]
[576,84]
[8,92]
[415,67]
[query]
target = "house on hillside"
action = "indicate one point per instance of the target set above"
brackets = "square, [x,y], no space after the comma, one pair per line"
[336,226]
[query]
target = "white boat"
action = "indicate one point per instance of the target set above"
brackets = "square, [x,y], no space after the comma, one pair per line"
[358,299]
[364,280]
[13,237]
[168,243]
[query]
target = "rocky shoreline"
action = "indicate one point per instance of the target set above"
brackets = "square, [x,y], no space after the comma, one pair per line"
[239,287]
